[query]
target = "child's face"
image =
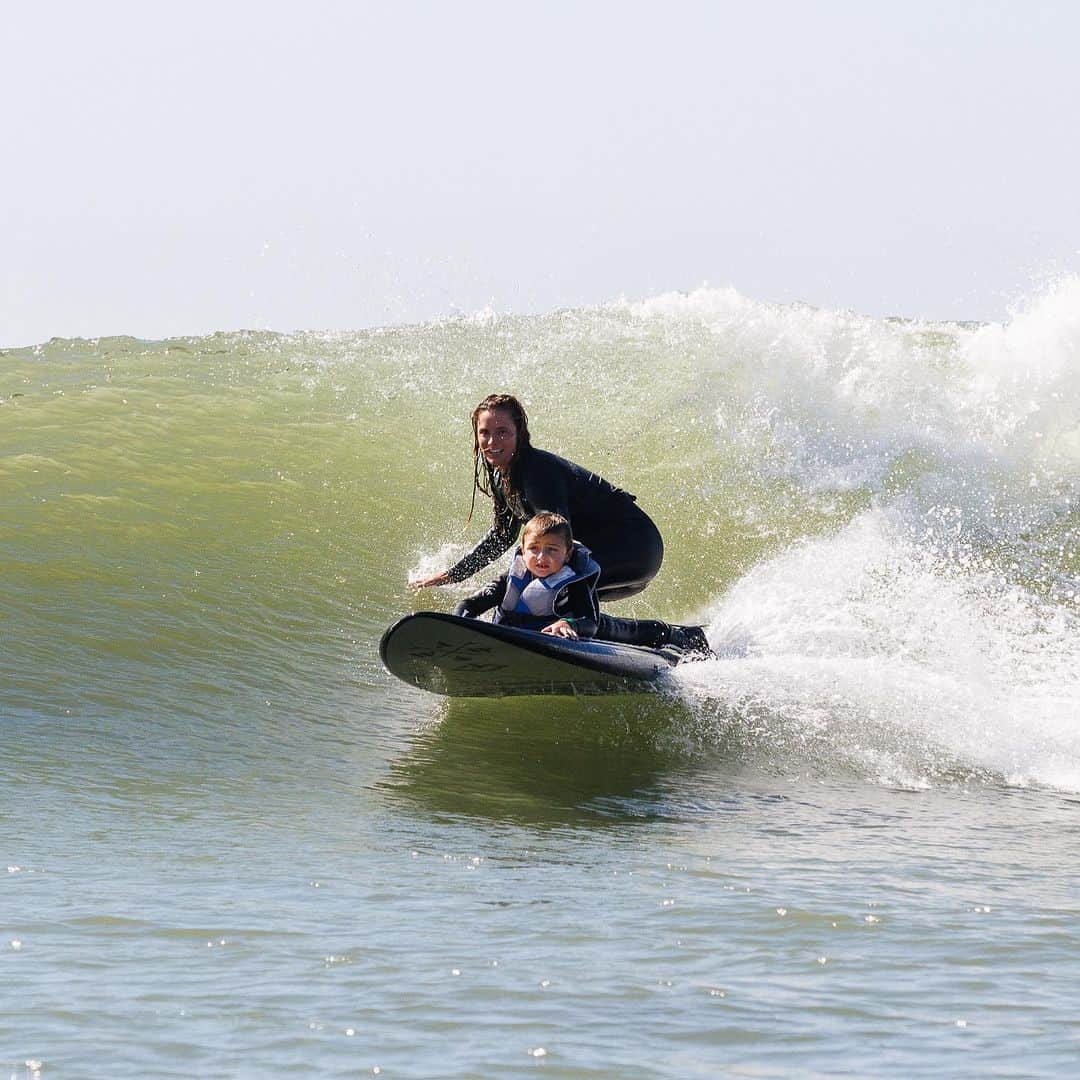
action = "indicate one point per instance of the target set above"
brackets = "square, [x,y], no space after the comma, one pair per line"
[544,555]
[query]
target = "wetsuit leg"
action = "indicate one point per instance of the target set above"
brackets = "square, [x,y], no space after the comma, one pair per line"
[629,550]
[649,632]
[654,634]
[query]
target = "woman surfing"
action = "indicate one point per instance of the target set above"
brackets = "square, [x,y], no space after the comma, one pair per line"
[522,480]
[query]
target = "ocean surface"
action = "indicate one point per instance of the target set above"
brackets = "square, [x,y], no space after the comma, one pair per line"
[233,846]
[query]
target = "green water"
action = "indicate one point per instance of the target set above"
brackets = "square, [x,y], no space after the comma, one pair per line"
[236,846]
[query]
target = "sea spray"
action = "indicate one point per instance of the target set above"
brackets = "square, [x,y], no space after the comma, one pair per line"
[940,621]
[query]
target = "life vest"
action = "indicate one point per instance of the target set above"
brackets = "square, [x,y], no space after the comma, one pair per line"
[530,601]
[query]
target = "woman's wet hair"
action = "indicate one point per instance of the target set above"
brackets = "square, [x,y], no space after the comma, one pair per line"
[548,523]
[483,472]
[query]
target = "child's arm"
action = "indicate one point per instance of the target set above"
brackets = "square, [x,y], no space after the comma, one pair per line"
[488,597]
[578,608]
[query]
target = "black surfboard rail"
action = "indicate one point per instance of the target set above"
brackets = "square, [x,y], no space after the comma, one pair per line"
[459,657]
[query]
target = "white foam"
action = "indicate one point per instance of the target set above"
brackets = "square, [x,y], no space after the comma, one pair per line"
[836,400]
[906,665]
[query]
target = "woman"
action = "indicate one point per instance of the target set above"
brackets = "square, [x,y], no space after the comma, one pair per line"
[522,480]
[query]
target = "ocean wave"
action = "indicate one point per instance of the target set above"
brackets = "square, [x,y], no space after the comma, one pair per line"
[879,516]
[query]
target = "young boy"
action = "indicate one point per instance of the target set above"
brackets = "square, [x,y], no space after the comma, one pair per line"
[551,587]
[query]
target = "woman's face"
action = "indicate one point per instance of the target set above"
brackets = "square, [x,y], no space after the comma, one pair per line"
[497,437]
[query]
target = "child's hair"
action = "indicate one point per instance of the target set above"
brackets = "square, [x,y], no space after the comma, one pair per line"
[547,523]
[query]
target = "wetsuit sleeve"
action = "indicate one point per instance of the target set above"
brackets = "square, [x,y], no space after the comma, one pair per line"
[492,544]
[578,606]
[488,597]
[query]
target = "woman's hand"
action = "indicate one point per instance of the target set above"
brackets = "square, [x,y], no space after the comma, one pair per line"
[442,578]
[560,629]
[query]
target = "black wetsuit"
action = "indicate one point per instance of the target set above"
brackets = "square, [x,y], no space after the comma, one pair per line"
[606,519]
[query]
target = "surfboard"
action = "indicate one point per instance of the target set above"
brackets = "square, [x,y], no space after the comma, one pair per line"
[458,657]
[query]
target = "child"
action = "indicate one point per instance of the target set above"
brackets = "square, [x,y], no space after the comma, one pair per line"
[551,587]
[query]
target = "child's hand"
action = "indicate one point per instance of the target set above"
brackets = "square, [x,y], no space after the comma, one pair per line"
[560,629]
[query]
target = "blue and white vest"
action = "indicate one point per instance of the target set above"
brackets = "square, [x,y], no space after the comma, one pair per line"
[530,601]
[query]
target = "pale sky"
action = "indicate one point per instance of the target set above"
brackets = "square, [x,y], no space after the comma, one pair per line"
[187,168]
